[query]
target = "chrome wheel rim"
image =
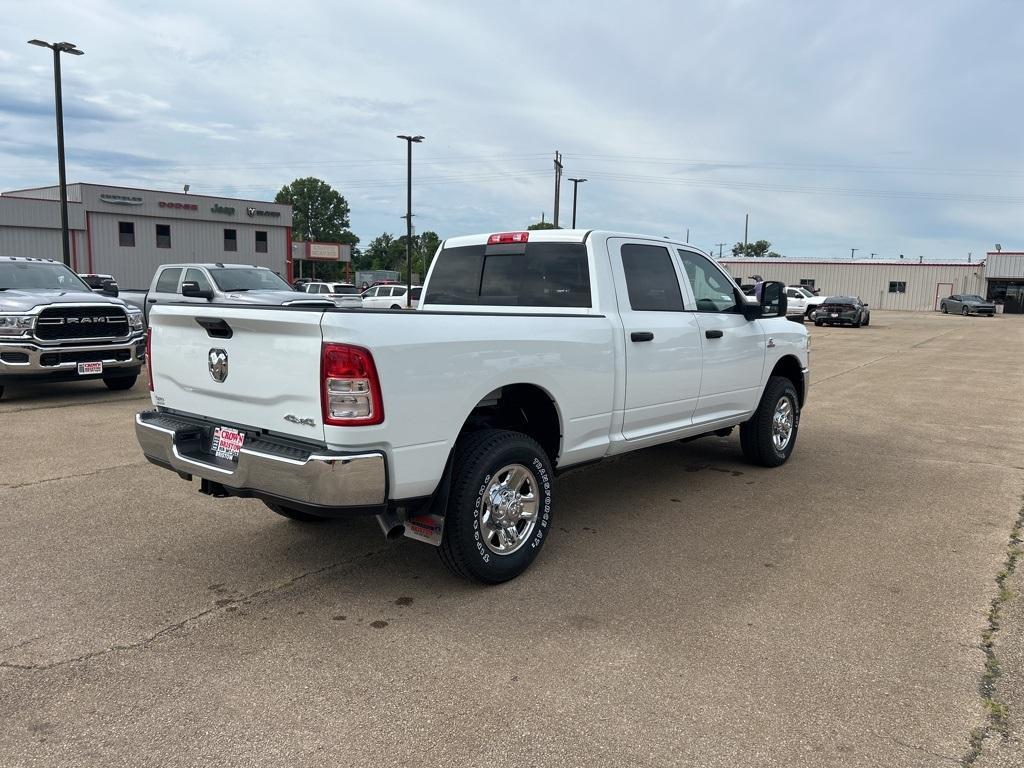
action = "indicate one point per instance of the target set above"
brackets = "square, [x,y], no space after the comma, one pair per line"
[508,513]
[782,423]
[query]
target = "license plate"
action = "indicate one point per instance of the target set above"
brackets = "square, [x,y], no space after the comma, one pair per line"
[835,314]
[89,368]
[227,443]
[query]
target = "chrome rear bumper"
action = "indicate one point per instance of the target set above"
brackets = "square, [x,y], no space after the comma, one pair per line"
[275,471]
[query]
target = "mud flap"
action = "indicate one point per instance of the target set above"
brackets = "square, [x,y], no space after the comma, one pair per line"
[428,528]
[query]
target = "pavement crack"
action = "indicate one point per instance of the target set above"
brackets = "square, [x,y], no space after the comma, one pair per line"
[883,357]
[14,486]
[917,748]
[996,711]
[221,607]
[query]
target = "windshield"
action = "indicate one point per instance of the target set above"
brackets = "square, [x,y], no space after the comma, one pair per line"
[229,280]
[40,276]
[805,293]
[973,297]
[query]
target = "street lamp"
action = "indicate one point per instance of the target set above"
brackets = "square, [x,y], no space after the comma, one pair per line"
[409,141]
[575,183]
[58,49]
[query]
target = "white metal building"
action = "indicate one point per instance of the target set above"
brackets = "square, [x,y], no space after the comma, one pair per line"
[895,284]
[128,232]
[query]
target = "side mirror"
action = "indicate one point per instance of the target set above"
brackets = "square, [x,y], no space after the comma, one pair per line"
[773,299]
[109,288]
[191,289]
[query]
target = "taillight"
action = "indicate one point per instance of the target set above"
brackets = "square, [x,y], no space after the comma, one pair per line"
[149,357]
[508,237]
[349,387]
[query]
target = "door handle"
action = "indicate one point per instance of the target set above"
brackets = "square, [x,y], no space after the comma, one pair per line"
[715,334]
[641,336]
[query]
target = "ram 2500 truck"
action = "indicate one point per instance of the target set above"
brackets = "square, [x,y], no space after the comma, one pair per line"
[53,327]
[532,352]
[207,284]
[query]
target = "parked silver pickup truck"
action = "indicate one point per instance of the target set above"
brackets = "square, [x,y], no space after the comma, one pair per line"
[219,284]
[53,327]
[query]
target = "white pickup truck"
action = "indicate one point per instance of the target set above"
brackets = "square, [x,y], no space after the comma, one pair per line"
[530,354]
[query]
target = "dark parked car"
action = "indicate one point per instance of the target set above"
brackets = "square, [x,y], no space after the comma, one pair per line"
[967,304]
[842,310]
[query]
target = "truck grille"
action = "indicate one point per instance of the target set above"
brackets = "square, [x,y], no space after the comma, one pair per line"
[56,323]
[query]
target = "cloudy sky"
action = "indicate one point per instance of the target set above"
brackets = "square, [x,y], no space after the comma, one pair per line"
[888,127]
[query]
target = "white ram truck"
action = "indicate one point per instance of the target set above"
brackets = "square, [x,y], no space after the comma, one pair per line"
[532,352]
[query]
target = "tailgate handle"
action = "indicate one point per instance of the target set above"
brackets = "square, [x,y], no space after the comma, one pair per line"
[216,327]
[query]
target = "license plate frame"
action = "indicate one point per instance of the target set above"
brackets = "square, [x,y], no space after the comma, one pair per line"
[226,443]
[90,369]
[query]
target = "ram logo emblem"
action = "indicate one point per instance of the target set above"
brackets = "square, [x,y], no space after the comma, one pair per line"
[218,362]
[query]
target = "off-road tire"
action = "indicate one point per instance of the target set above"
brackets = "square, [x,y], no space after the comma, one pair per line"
[756,434]
[118,383]
[478,455]
[294,514]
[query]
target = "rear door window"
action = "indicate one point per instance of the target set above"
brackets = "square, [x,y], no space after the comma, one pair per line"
[651,279]
[168,282]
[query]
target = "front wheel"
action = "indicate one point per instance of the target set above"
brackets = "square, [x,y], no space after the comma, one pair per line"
[121,382]
[964,311]
[768,438]
[942,306]
[867,320]
[499,510]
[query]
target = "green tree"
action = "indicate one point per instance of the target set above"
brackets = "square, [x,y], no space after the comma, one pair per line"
[543,225]
[759,249]
[428,244]
[319,212]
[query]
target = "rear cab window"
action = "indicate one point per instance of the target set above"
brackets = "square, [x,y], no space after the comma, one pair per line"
[544,274]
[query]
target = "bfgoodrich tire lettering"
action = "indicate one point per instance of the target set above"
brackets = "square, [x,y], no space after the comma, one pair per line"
[482,476]
[768,438]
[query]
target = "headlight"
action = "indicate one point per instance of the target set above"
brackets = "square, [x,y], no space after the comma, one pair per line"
[135,321]
[16,325]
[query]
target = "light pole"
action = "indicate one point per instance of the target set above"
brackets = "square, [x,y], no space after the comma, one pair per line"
[853,251]
[409,141]
[58,49]
[575,184]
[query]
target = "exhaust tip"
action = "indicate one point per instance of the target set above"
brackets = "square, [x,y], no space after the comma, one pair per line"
[391,525]
[396,532]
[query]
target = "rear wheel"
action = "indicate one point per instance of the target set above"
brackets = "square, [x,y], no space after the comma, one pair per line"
[964,311]
[395,306]
[942,306]
[121,382]
[768,438]
[499,510]
[294,514]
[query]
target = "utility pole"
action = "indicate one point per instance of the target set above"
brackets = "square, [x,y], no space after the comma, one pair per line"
[746,225]
[852,250]
[58,49]
[575,184]
[720,249]
[409,141]
[873,255]
[558,182]
[687,234]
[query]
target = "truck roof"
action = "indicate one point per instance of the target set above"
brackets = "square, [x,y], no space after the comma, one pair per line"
[30,258]
[561,236]
[215,265]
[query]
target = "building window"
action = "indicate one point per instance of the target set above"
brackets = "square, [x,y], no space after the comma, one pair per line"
[126,233]
[163,235]
[807,282]
[261,242]
[897,286]
[230,239]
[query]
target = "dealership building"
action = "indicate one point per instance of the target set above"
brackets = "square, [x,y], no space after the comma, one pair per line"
[128,233]
[905,284]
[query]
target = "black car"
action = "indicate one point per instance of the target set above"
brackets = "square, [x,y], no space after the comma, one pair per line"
[842,310]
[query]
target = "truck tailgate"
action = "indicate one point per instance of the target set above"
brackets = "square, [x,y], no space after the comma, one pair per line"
[254,367]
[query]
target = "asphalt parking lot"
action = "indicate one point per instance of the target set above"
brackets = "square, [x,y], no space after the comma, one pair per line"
[689,609]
